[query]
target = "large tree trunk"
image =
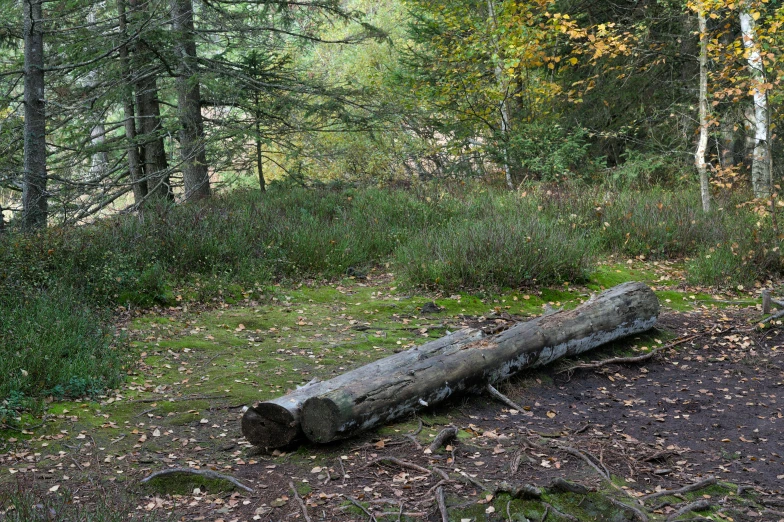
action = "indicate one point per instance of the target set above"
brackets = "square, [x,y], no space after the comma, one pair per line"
[34,197]
[761,160]
[194,158]
[276,423]
[390,393]
[156,167]
[702,143]
[134,159]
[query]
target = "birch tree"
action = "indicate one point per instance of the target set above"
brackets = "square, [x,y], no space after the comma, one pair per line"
[702,143]
[761,160]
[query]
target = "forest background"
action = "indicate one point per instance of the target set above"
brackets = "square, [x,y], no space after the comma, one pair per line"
[160,151]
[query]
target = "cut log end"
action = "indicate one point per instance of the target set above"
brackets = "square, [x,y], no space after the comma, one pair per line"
[270,426]
[322,418]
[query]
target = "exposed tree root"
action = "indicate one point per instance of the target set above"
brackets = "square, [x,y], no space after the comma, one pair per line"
[442,504]
[699,505]
[201,472]
[685,489]
[638,513]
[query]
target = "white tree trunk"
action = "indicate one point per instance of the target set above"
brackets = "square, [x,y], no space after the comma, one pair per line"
[702,143]
[503,86]
[761,164]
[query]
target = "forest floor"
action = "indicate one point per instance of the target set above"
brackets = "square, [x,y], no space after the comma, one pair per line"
[707,409]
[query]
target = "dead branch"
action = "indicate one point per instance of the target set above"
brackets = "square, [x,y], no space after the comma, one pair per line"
[406,464]
[444,435]
[577,453]
[549,507]
[638,514]
[685,489]
[201,472]
[699,505]
[503,398]
[634,359]
[300,502]
[360,506]
[442,504]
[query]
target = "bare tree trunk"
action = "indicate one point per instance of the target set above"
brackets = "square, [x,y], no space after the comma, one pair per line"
[34,196]
[503,86]
[259,158]
[134,159]
[156,167]
[702,143]
[194,158]
[761,160]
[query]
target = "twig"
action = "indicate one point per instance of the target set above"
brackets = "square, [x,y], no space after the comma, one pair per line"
[409,465]
[777,315]
[414,440]
[446,434]
[360,506]
[442,503]
[639,514]
[699,505]
[201,472]
[549,507]
[635,359]
[342,470]
[180,399]
[503,398]
[145,411]
[685,489]
[577,453]
[300,502]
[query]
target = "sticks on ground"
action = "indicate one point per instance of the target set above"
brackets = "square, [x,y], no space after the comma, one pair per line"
[638,514]
[201,472]
[685,489]
[300,502]
[503,398]
[442,503]
[360,506]
[699,505]
[635,359]
[409,465]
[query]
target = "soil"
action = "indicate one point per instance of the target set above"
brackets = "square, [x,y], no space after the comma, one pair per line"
[708,407]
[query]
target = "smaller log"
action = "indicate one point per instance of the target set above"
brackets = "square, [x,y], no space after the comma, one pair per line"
[276,423]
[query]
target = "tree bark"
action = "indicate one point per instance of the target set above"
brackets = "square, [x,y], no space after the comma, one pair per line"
[761,160]
[34,197]
[134,159]
[390,393]
[276,423]
[503,87]
[156,167]
[702,143]
[194,158]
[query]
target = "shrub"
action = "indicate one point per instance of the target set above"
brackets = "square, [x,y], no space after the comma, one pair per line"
[503,242]
[52,343]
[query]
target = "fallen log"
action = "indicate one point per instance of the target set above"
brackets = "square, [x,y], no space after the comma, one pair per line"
[276,423]
[390,392]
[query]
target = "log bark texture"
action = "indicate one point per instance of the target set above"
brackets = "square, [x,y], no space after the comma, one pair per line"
[276,423]
[385,393]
